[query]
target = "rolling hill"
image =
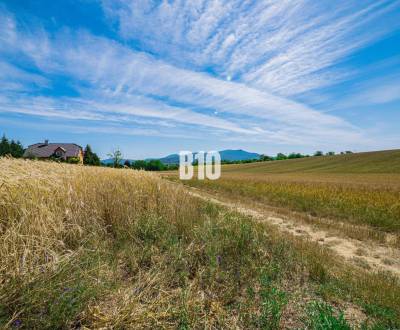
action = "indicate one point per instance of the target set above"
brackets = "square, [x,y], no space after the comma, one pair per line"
[387,161]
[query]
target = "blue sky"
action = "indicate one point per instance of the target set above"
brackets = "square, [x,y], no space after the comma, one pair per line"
[156,77]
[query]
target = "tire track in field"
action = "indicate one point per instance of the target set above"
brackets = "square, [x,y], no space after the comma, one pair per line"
[366,255]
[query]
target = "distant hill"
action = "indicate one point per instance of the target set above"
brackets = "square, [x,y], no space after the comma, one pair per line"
[234,155]
[387,161]
[230,155]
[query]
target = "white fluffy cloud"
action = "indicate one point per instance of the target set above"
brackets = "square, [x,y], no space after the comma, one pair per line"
[271,50]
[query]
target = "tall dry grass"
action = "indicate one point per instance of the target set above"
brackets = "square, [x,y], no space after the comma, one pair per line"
[48,210]
[104,248]
[55,217]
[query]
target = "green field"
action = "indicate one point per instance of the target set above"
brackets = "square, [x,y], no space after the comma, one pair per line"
[387,161]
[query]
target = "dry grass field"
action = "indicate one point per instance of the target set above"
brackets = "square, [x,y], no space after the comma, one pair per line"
[86,247]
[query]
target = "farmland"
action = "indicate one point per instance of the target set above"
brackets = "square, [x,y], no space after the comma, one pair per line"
[387,161]
[360,192]
[117,248]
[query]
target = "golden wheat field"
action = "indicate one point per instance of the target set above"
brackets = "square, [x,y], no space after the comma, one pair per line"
[87,247]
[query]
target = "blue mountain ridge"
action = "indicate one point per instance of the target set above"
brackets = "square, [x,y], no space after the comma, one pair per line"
[229,155]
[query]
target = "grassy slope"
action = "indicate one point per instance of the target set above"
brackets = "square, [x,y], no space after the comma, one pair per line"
[120,249]
[366,162]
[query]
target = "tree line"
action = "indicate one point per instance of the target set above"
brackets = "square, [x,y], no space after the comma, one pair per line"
[282,156]
[293,155]
[150,165]
[117,161]
[12,148]
[16,150]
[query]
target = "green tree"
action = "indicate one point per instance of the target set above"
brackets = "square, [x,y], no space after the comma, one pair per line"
[281,156]
[151,165]
[139,165]
[16,149]
[116,156]
[154,165]
[4,146]
[295,155]
[318,153]
[127,163]
[265,158]
[90,158]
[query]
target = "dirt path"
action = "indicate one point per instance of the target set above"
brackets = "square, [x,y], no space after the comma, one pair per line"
[362,254]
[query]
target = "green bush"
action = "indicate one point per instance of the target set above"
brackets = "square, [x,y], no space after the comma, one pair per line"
[73,160]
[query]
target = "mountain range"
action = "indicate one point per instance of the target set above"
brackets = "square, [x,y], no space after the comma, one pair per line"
[228,155]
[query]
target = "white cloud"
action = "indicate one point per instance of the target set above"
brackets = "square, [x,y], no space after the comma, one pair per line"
[13,78]
[373,92]
[288,47]
[386,92]
[119,84]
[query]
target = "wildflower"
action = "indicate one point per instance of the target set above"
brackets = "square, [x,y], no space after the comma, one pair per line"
[219,260]
[17,323]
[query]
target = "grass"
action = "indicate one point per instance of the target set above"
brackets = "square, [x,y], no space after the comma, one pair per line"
[104,248]
[322,316]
